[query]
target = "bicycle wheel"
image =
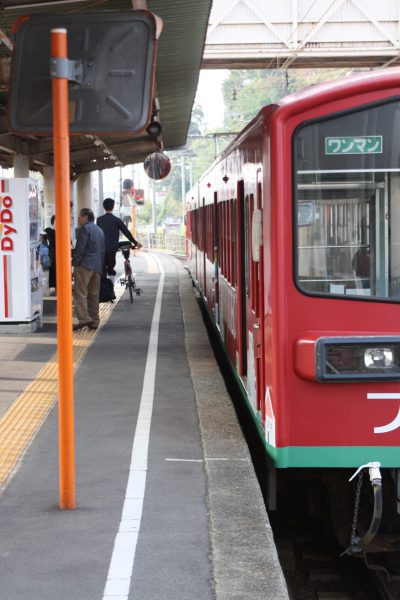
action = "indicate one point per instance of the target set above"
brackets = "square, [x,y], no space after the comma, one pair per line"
[130,287]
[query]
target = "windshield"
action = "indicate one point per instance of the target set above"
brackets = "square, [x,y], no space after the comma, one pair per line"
[348,204]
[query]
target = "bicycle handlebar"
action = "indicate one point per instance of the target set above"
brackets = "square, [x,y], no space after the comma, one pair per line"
[125,245]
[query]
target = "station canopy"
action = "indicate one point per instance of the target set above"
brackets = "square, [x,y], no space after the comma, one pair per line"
[179,56]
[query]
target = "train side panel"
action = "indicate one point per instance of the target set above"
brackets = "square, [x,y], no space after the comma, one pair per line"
[310,318]
[341,422]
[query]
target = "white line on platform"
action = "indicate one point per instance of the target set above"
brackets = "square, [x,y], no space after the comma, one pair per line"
[232,459]
[198,460]
[121,566]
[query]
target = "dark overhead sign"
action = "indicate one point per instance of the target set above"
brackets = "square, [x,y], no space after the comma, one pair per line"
[115,56]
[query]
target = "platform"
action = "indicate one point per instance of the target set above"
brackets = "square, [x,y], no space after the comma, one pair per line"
[168,506]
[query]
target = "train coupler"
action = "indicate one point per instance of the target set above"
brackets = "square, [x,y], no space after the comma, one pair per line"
[358,544]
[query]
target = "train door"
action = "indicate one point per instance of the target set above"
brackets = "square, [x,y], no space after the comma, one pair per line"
[250,292]
[254,287]
[195,238]
[242,262]
[203,248]
[216,257]
[259,294]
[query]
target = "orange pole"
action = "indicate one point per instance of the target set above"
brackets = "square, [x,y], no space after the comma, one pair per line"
[63,270]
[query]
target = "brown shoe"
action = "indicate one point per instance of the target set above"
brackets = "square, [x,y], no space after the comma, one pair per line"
[93,325]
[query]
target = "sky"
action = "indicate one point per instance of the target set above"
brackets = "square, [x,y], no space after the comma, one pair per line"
[209,96]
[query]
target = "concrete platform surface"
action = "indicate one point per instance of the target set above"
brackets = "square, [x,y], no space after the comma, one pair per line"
[168,506]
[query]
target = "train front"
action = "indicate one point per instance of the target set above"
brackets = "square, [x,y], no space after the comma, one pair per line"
[340,328]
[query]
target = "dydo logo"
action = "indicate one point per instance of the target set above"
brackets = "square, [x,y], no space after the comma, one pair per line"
[7,238]
[7,231]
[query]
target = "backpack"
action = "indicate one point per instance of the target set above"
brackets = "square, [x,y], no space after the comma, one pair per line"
[106,293]
[44,256]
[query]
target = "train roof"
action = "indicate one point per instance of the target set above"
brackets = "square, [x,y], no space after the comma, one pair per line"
[316,94]
[351,85]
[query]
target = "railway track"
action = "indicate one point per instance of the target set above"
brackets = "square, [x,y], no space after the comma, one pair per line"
[314,569]
[387,584]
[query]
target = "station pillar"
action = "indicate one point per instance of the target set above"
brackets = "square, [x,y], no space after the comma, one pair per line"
[48,192]
[21,165]
[74,214]
[84,192]
[101,192]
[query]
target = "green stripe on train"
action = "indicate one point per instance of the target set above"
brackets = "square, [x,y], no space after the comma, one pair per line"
[332,456]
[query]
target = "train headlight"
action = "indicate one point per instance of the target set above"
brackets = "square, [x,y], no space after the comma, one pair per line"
[377,358]
[357,359]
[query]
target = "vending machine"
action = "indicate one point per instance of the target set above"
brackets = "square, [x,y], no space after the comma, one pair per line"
[21,294]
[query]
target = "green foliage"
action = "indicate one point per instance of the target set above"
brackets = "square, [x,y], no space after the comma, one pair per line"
[196,123]
[198,154]
[144,214]
[171,207]
[204,149]
[245,92]
[302,78]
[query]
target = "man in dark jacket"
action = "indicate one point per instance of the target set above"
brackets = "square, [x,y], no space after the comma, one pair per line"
[88,265]
[51,238]
[112,226]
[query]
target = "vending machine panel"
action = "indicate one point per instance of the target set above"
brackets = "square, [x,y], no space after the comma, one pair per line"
[21,294]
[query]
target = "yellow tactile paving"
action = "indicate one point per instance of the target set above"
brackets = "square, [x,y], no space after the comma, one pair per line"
[22,420]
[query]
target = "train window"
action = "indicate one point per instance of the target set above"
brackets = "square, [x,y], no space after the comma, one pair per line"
[234,280]
[347,213]
[203,227]
[220,235]
[210,253]
[231,242]
[223,229]
[228,241]
[194,226]
[207,230]
[246,225]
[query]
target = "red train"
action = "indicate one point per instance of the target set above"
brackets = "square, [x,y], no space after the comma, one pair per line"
[294,244]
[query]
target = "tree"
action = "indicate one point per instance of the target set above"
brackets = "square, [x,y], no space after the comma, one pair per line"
[302,78]
[144,214]
[196,123]
[246,92]
[197,156]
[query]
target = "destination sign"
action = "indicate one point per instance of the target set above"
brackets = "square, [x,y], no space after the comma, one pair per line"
[362,144]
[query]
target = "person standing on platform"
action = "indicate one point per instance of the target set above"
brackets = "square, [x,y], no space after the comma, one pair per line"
[112,226]
[88,264]
[51,239]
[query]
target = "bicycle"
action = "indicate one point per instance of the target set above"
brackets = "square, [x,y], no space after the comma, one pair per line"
[129,277]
